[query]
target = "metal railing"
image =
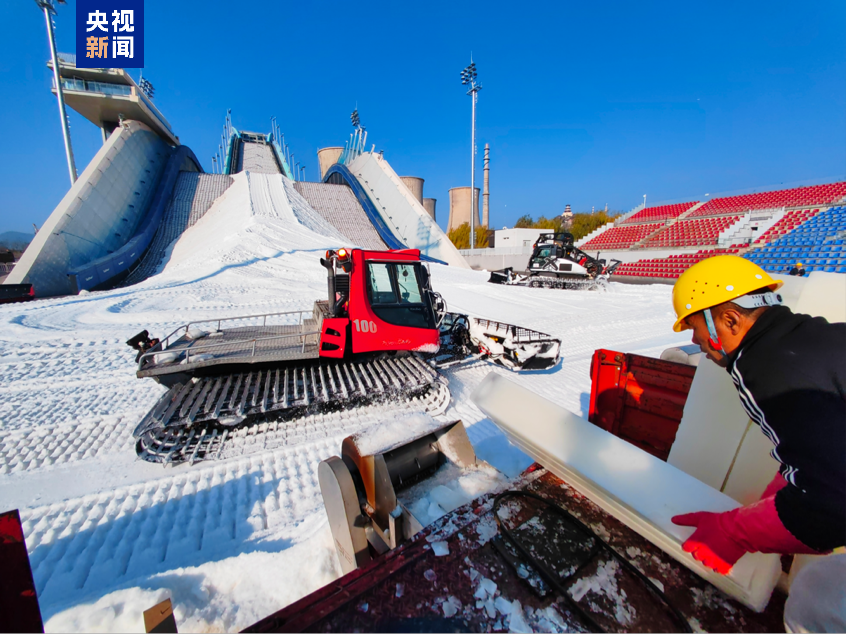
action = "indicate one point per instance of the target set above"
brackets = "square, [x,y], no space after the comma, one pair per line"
[354,147]
[83,85]
[169,340]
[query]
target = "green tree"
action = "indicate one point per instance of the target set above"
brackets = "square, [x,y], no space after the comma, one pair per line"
[524,222]
[552,224]
[460,236]
[583,224]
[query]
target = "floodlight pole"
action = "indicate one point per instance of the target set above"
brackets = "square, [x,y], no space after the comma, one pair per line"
[468,76]
[473,172]
[48,8]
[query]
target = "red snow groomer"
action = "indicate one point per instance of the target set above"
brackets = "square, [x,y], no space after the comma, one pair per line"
[381,334]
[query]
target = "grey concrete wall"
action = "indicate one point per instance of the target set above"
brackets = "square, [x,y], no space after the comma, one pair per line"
[459,207]
[327,157]
[498,258]
[640,254]
[100,212]
[518,257]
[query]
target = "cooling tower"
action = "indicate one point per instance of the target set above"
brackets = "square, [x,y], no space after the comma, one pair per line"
[327,157]
[415,186]
[459,207]
[429,206]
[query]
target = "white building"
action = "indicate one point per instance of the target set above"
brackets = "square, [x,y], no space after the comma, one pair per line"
[517,237]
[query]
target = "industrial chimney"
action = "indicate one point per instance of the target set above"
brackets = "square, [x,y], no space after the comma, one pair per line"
[486,191]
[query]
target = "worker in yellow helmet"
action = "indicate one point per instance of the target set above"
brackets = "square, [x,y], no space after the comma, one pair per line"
[790,373]
[798,269]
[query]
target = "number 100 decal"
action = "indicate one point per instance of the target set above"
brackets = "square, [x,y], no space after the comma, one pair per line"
[362,325]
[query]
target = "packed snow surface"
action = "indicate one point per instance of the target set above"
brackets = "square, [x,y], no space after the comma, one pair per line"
[234,540]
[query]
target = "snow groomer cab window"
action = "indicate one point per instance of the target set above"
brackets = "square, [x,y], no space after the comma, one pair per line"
[542,253]
[396,295]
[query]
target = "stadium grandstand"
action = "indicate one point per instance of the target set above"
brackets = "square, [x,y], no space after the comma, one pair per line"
[775,229]
[819,243]
[663,212]
[790,198]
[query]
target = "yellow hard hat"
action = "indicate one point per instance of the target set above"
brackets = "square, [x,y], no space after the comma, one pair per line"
[719,279]
[798,264]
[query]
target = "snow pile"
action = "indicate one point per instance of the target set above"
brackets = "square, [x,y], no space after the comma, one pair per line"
[449,488]
[393,433]
[224,596]
[603,584]
[232,541]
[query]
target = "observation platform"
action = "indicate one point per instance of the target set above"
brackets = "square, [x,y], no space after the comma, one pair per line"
[103,95]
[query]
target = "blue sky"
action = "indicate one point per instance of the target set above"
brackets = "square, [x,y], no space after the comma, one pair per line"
[583,103]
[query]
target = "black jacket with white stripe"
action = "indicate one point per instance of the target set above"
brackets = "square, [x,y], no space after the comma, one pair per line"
[790,373]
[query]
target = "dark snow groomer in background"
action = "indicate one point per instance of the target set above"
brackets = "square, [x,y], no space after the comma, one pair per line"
[790,374]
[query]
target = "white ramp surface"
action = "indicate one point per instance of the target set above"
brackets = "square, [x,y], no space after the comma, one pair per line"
[401,211]
[635,487]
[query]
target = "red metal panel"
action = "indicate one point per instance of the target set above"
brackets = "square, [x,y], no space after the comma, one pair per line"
[19,611]
[639,399]
[334,345]
[369,332]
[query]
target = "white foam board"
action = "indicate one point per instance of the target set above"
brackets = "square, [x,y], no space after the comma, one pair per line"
[753,469]
[711,427]
[635,487]
[823,295]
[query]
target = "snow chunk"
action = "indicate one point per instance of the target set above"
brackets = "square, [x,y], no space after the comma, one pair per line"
[195,333]
[516,619]
[487,530]
[394,433]
[448,499]
[441,549]
[604,582]
[165,357]
[503,605]
[451,606]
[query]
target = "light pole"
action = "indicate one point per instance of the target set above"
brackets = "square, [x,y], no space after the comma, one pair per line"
[50,10]
[468,77]
[644,201]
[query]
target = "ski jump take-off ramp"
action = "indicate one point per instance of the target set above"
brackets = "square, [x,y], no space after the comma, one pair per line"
[139,193]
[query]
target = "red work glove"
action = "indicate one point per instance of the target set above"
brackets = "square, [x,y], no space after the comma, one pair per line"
[774,487]
[720,539]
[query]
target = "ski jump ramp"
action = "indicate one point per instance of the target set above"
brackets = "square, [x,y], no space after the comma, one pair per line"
[393,210]
[138,195]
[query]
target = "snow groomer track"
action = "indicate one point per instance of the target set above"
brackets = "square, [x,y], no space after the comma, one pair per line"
[190,421]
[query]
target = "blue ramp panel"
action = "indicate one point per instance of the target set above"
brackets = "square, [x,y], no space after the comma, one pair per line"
[109,270]
[340,175]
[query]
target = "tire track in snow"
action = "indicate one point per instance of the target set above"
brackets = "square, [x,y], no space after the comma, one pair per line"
[88,546]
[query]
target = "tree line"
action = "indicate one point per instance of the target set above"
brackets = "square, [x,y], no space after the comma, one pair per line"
[581,225]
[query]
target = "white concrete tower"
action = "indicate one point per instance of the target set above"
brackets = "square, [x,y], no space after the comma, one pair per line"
[486,192]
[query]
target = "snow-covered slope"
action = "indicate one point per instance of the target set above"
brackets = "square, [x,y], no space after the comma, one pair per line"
[230,541]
